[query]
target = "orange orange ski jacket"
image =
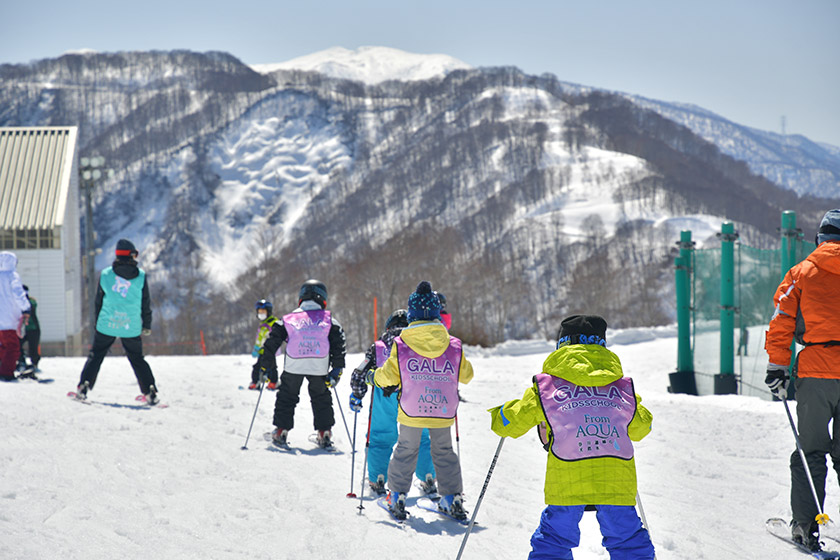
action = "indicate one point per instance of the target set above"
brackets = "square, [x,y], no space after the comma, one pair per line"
[808,309]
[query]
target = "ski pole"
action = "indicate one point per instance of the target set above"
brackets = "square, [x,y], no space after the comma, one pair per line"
[480,497]
[642,512]
[245,447]
[352,494]
[457,437]
[367,446]
[822,518]
[346,428]
[644,519]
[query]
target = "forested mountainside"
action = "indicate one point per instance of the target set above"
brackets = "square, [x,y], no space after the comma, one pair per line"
[521,198]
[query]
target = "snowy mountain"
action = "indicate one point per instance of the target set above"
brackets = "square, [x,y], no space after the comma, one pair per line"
[500,187]
[370,65]
[116,480]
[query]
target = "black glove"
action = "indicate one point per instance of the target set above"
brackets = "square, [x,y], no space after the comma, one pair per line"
[357,383]
[332,377]
[777,380]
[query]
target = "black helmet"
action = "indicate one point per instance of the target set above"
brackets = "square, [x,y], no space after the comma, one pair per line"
[442,299]
[398,319]
[264,304]
[314,290]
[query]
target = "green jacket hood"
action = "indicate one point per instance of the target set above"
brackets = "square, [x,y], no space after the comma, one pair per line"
[589,365]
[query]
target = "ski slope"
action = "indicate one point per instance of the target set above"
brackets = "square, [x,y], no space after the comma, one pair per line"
[115,480]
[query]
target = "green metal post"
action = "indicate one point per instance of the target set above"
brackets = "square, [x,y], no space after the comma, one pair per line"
[790,235]
[725,382]
[683,381]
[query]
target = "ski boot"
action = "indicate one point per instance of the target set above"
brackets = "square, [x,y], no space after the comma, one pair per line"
[82,391]
[396,504]
[253,386]
[806,534]
[278,437]
[152,397]
[272,386]
[378,487]
[452,505]
[325,439]
[429,486]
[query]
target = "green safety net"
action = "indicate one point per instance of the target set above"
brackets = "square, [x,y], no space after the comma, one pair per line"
[757,275]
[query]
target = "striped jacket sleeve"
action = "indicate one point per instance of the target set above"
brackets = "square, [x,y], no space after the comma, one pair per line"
[783,323]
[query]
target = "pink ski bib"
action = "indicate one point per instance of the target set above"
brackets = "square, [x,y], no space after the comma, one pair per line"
[429,385]
[588,422]
[308,333]
[382,353]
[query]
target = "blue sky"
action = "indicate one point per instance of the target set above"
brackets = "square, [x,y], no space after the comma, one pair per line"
[751,61]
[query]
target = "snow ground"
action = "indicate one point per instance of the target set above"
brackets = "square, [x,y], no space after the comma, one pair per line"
[114,480]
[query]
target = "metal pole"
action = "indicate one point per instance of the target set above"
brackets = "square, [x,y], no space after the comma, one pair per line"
[352,494]
[457,437]
[725,383]
[346,428]
[822,518]
[89,251]
[367,447]
[682,265]
[254,416]
[480,497]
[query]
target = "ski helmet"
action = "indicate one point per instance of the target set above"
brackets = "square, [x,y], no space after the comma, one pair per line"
[264,304]
[314,290]
[398,319]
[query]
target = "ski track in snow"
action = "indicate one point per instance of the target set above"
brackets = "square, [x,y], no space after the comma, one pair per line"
[113,480]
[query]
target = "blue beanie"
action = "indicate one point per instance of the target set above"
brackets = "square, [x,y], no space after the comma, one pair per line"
[829,227]
[423,304]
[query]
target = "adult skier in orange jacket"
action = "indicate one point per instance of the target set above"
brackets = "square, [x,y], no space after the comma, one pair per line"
[807,310]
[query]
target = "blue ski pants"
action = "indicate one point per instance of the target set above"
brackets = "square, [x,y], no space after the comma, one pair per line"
[622,531]
[384,435]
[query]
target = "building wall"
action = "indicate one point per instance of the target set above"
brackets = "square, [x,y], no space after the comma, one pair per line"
[43,271]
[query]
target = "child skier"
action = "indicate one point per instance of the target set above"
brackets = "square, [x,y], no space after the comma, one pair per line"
[383,413]
[425,365]
[124,310]
[267,319]
[588,413]
[14,312]
[32,338]
[315,352]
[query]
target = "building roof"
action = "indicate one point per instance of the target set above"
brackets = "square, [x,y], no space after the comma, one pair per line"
[36,166]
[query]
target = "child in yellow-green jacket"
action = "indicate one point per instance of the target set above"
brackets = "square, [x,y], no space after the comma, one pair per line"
[588,415]
[265,315]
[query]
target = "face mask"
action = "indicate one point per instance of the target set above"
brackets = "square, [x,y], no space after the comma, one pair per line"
[262,316]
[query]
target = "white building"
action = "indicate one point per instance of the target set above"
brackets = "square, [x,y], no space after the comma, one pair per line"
[39,222]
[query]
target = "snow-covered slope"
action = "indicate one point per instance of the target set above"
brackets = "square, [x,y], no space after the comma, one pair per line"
[791,161]
[114,480]
[370,65]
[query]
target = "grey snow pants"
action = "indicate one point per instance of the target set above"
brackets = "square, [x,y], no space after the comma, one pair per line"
[404,461]
[817,403]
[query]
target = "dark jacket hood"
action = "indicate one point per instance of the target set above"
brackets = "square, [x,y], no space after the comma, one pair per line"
[126,268]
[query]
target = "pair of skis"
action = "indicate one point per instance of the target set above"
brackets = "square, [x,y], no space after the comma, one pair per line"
[425,503]
[139,398]
[267,436]
[780,529]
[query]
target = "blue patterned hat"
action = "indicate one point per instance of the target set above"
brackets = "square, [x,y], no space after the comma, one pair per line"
[423,304]
[582,329]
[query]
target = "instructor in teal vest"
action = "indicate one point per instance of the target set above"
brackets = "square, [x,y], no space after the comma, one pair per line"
[124,310]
